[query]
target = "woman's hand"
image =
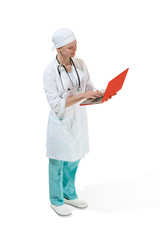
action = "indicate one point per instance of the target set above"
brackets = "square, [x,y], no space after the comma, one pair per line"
[74,99]
[93,94]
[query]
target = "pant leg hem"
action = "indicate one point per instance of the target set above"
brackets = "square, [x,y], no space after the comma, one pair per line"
[57,204]
[71,198]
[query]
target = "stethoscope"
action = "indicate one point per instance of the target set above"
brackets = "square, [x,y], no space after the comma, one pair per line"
[58,68]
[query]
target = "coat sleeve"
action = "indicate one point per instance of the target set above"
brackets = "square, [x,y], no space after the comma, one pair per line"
[89,85]
[56,103]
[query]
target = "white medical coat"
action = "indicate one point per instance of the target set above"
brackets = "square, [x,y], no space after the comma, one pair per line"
[67,131]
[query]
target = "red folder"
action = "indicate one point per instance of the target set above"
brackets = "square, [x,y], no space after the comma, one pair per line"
[112,88]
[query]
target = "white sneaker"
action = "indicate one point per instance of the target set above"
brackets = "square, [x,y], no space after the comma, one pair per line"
[61,210]
[76,203]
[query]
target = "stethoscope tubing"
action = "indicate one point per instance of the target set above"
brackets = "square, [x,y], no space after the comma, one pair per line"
[79,86]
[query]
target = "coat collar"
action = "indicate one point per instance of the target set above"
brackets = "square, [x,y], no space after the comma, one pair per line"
[75,60]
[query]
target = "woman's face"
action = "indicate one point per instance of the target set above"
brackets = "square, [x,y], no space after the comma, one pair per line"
[69,50]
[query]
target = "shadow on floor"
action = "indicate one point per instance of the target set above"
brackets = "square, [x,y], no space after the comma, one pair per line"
[143,192]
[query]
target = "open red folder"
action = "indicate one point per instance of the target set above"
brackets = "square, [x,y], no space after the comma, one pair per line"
[112,88]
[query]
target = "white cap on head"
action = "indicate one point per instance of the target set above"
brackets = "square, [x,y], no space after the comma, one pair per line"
[62,37]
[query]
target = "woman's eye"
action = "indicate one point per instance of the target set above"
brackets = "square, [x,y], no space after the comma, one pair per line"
[72,47]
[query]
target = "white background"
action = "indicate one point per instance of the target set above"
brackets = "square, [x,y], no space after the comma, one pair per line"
[120,177]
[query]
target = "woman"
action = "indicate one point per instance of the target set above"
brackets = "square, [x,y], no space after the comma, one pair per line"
[66,83]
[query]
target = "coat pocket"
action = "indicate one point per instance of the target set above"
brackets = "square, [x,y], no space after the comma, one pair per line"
[58,120]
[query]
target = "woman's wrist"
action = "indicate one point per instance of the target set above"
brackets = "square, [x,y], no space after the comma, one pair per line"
[83,95]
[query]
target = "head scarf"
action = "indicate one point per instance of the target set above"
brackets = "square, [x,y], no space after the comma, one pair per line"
[62,37]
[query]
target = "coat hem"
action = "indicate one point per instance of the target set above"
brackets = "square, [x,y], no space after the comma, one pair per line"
[73,159]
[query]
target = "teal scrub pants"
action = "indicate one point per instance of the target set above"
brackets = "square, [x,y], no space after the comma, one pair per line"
[62,181]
